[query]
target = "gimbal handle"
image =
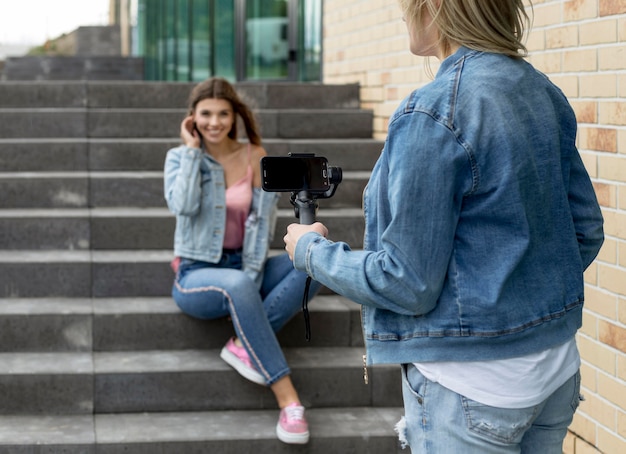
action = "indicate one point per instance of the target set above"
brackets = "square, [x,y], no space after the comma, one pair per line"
[305,207]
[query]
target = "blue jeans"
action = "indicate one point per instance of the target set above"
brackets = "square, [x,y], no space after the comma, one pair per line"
[440,421]
[209,291]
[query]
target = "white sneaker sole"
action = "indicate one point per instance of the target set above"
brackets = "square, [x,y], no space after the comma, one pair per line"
[292,439]
[240,367]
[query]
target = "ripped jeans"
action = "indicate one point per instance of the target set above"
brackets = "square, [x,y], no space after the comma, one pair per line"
[438,420]
[209,291]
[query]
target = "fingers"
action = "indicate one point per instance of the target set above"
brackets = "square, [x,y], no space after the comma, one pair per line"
[296,231]
[188,132]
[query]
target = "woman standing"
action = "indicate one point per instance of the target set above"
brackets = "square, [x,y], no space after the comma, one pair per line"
[224,225]
[480,221]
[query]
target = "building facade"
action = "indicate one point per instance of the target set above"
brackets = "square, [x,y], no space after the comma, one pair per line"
[241,40]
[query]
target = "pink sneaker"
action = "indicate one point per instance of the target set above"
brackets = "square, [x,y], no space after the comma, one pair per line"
[292,427]
[238,358]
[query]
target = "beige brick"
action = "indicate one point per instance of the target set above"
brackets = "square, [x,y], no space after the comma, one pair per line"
[610,7]
[598,32]
[612,58]
[580,60]
[583,426]
[549,14]
[612,390]
[613,335]
[614,223]
[608,442]
[546,63]
[560,37]
[612,112]
[622,198]
[591,274]
[536,41]
[621,141]
[606,194]
[590,325]
[569,84]
[598,139]
[588,377]
[597,355]
[598,85]
[600,302]
[586,111]
[621,424]
[612,278]
[621,254]
[612,167]
[582,447]
[621,367]
[580,9]
[590,160]
[608,252]
[569,444]
[621,27]
[599,409]
[621,82]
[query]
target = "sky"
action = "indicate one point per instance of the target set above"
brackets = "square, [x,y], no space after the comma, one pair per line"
[32,22]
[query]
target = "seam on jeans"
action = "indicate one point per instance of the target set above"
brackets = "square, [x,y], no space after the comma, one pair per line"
[233,315]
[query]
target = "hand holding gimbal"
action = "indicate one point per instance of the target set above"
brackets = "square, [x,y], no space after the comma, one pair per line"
[308,178]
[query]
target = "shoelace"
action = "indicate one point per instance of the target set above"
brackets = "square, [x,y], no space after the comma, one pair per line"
[294,413]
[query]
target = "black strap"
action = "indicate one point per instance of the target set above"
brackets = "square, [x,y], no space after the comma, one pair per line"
[305,309]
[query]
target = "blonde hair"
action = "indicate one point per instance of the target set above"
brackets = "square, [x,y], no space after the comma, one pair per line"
[485,25]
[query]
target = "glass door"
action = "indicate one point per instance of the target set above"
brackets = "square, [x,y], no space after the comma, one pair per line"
[267,40]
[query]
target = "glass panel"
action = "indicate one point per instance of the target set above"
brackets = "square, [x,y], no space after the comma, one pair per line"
[201,40]
[169,39]
[224,39]
[310,40]
[267,39]
[182,31]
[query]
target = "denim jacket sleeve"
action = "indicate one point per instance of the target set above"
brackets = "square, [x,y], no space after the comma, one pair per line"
[182,187]
[410,238]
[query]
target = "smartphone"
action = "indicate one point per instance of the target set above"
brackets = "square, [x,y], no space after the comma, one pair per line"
[295,173]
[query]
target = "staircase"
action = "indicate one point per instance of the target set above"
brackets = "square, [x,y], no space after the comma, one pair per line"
[94,355]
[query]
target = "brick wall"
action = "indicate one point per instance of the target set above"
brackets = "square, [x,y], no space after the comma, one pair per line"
[581,46]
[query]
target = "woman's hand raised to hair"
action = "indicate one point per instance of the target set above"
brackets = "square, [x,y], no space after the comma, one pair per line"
[189,134]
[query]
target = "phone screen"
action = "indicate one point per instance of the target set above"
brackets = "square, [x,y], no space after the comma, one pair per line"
[285,173]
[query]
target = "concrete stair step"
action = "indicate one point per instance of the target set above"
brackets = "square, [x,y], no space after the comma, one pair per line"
[124,189]
[333,430]
[148,154]
[165,95]
[60,273]
[122,324]
[126,324]
[164,123]
[73,67]
[138,228]
[182,380]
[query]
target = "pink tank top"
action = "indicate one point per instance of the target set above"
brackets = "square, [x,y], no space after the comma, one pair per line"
[238,201]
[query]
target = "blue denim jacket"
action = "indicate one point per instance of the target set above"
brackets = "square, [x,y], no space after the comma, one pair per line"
[480,220]
[196,193]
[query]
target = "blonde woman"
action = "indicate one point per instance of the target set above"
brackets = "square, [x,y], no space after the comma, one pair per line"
[480,221]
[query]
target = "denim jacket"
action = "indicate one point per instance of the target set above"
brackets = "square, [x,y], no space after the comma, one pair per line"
[195,192]
[480,219]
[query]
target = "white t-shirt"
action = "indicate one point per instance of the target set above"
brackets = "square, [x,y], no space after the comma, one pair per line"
[507,383]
